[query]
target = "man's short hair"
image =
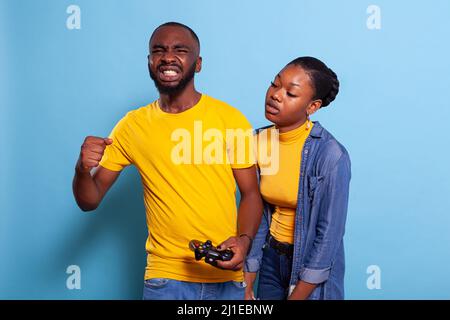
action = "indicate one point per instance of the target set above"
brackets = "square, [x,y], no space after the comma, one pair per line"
[177,24]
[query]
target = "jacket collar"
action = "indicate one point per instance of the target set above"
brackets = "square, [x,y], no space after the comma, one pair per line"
[317,130]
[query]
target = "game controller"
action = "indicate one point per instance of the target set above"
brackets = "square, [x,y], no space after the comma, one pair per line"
[209,252]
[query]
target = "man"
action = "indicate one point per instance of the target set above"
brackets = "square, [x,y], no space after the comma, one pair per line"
[189,193]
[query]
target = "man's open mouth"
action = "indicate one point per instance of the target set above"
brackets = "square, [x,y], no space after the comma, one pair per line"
[169,73]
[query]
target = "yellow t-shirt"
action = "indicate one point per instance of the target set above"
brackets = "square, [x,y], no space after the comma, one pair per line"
[185,162]
[281,189]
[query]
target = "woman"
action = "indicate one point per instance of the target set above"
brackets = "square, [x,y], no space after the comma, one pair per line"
[298,249]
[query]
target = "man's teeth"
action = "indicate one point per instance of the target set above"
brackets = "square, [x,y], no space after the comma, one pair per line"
[169,72]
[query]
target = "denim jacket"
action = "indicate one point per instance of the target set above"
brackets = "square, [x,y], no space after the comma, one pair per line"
[320,218]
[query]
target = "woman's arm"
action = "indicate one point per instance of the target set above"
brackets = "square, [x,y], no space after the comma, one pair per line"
[302,290]
[329,229]
[254,257]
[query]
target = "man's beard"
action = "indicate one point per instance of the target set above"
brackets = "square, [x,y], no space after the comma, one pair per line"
[173,90]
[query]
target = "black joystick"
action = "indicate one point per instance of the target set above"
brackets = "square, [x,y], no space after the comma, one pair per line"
[207,250]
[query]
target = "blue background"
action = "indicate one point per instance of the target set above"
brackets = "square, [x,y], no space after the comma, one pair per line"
[59,85]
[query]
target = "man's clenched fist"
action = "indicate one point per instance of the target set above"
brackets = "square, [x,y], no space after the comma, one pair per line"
[92,152]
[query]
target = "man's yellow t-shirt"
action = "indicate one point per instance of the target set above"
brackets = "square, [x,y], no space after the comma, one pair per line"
[185,161]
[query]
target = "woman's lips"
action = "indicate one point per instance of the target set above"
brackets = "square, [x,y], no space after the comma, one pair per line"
[271,109]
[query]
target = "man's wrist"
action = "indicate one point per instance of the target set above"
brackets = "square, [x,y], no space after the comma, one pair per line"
[80,169]
[250,240]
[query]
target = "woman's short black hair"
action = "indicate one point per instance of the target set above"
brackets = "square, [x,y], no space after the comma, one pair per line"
[323,79]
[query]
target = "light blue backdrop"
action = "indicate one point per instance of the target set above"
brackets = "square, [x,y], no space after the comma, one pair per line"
[59,85]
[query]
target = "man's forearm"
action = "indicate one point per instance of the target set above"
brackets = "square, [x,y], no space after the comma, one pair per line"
[250,213]
[85,190]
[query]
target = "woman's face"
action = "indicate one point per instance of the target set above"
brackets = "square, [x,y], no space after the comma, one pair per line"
[289,98]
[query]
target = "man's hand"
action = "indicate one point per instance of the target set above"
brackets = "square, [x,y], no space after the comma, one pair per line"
[89,189]
[240,247]
[91,153]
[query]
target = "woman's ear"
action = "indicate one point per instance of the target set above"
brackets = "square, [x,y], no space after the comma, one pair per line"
[314,106]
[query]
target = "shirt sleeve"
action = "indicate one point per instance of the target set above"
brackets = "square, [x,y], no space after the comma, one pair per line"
[240,142]
[118,154]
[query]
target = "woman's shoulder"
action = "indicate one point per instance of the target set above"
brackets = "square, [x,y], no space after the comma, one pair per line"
[328,147]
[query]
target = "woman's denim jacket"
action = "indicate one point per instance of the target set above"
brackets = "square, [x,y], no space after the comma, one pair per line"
[320,218]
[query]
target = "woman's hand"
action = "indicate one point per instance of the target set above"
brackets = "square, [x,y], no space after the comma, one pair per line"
[249,278]
[302,291]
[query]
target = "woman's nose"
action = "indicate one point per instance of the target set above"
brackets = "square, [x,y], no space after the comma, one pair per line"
[275,96]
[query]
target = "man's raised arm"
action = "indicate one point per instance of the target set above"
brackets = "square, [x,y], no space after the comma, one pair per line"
[89,189]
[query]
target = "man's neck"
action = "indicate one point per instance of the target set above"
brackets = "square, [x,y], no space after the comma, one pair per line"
[179,102]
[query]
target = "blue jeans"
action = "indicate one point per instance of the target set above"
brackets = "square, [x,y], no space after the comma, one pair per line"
[274,275]
[168,289]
